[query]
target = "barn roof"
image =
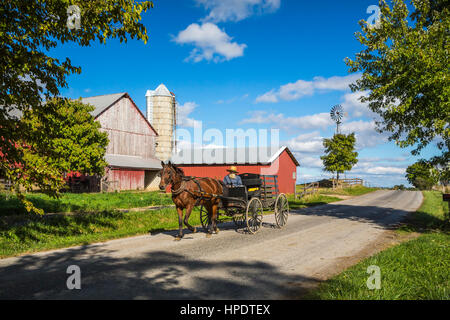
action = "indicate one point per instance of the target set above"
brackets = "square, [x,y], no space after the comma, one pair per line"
[103,102]
[124,161]
[239,156]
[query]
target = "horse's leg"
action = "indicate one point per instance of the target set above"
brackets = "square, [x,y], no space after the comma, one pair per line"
[214,215]
[186,218]
[180,224]
[210,226]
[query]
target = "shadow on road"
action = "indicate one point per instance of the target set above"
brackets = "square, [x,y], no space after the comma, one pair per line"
[156,275]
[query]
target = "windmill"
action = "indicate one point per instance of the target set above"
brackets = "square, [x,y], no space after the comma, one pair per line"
[336,114]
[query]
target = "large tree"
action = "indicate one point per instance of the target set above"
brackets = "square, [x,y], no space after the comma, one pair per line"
[62,138]
[422,175]
[340,154]
[30,76]
[405,70]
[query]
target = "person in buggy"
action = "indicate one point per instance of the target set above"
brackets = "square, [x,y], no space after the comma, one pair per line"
[232,179]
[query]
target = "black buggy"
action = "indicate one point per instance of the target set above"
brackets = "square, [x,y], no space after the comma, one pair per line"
[246,204]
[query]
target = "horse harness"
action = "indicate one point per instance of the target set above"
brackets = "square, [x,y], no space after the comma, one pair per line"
[202,194]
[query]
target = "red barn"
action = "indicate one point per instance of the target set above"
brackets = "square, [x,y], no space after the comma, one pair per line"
[130,154]
[132,140]
[214,163]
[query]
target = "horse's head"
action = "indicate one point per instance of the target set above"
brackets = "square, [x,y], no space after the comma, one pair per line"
[169,175]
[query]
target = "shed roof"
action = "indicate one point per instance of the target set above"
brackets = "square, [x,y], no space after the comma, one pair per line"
[239,156]
[135,162]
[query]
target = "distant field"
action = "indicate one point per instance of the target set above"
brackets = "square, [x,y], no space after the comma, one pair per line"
[351,191]
[326,195]
[25,235]
[84,202]
[310,200]
[416,269]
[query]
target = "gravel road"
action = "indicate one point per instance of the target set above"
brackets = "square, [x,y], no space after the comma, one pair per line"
[272,264]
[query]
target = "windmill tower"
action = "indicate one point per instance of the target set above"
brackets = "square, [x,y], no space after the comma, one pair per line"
[336,114]
[162,115]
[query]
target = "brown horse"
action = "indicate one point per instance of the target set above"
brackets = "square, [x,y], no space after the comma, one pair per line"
[188,192]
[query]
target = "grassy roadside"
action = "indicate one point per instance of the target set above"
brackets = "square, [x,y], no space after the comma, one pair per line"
[310,200]
[416,269]
[60,231]
[326,195]
[351,191]
[84,202]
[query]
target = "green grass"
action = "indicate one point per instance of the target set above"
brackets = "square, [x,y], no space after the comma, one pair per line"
[24,235]
[432,215]
[351,191]
[326,195]
[356,190]
[83,202]
[310,200]
[416,269]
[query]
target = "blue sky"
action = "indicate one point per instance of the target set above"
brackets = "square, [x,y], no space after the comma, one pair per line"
[250,64]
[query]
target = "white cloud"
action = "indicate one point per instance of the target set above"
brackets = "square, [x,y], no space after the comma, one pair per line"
[300,88]
[355,107]
[236,10]
[388,159]
[183,113]
[296,90]
[386,170]
[366,135]
[267,97]
[231,100]
[370,167]
[315,121]
[306,143]
[211,43]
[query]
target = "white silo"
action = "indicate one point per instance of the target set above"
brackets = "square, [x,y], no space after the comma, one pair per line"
[161,113]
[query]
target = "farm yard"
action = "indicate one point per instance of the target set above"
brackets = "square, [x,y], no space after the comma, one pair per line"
[83,202]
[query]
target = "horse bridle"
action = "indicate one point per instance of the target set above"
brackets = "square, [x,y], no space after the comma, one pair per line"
[170,176]
[182,186]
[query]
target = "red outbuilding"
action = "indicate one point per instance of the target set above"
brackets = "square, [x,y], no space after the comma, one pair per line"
[209,162]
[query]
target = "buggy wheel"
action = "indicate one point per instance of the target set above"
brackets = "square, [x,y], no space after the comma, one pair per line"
[281,210]
[204,218]
[254,215]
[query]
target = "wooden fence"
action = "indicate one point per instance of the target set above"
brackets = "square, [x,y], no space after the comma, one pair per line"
[5,187]
[344,183]
[308,188]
